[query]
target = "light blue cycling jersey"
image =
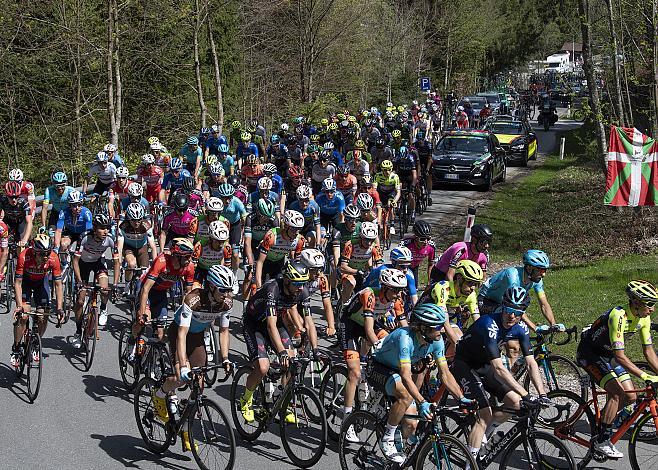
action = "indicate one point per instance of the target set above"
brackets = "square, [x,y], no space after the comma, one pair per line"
[402,346]
[494,287]
[227,163]
[311,214]
[190,155]
[234,210]
[332,206]
[172,182]
[126,201]
[82,224]
[372,280]
[202,315]
[59,202]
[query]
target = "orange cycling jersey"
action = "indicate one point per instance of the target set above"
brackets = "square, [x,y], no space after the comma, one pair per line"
[251,174]
[368,302]
[27,266]
[359,257]
[4,235]
[346,184]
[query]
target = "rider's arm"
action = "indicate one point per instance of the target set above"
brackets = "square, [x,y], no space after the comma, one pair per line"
[408,382]
[117,265]
[259,268]
[505,376]
[535,376]
[29,218]
[144,295]
[448,379]
[545,307]
[44,207]
[273,332]
[181,346]
[76,268]
[345,260]
[18,278]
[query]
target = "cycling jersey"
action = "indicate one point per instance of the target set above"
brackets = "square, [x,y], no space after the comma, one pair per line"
[203,230]
[481,343]
[342,235]
[190,156]
[333,206]
[185,224]
[607,334]
[14,214]
[402,346]
[372,280]
[360,258]
[198,313]
[151,175]
[255,196]
[126,201]
[118,191]
[460,251]
[276,247]
[173,183]
[311,213]
[419,254]
[347,186]
[243,150]
[277,184]
[368,302]
[105,175]
[353,155]
[359,168]
[4,235]
[227,163]
[443,293]
[27,266]
[135,237]
[256,226]
[251,174]
[81,224]
[405,163]
[277,154]
[320,173]
[271,301]
[494,287]
[373,194]
[211,185]
[213,143]
[164,275]
[90,249]
[385,184]
[208,257]
[234,210]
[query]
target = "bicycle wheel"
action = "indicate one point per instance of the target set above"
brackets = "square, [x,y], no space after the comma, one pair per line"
[305,440]
[211,437]
[366,453]
[559,372]
[571,419]
[315,371]
[402,216]
[129,372]
[642,445]
[540,450]
[33,367]
[331,395]
[89,332]
[249,431]
[5,300]
[156,434]
[212,355]
[445,451]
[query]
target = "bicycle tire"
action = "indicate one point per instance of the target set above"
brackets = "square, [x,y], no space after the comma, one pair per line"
[367,451]
[559,380]
[144,402]
[89,333]
[563,461]
[331,396]
[301,410]
[5,303]
[449,445]
[254,429]
[637,437]
[199,433]
[315,371]
[33,383]
[129,373]
[210,376]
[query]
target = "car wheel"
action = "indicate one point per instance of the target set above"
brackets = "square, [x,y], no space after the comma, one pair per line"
[503,176]
[524,162]
[488,184]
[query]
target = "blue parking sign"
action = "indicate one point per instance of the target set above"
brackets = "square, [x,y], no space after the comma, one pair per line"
[425,84]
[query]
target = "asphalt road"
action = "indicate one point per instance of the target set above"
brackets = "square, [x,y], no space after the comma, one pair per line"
[85,419]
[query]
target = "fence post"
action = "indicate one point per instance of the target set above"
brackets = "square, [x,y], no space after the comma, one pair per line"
[470,218]
[562,148]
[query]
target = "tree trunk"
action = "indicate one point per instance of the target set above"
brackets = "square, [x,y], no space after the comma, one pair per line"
[218,77]
[588,68]
[114,131]
[197,64]
[617,99]
[118,108]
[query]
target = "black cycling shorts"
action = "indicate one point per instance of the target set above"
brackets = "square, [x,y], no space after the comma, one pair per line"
[475,383]
[601,369]
[382,378]
[37,290]
[349,333]
[257,339]
[97,267]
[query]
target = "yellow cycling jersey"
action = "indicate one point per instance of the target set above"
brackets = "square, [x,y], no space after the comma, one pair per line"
[443,294]
[385,184]
[620,324]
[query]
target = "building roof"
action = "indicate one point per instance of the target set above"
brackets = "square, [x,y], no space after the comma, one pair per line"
[572,46]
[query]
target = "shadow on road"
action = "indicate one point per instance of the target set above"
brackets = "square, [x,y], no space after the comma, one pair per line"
[99,387]
[9,381]
[129,451]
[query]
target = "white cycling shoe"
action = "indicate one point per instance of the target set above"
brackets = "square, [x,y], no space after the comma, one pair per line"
[102,318]
[608,448]
[350,436]
[390,451]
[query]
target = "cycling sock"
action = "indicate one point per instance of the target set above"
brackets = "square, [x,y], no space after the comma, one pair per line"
[160,393]
[605,431]
[474,451]
[78,327]
[389,434]
[248,394]
[346,411]
[103,306]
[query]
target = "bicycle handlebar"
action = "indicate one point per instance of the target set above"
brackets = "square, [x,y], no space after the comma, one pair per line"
[572,333]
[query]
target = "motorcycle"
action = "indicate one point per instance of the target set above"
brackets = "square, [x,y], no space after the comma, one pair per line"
[547,117]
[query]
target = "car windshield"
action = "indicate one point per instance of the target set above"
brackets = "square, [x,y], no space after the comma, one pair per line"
[465,144]
[492,99]
[507,128]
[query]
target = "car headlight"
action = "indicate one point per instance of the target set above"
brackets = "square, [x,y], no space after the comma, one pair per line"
[479,169]
[518,147]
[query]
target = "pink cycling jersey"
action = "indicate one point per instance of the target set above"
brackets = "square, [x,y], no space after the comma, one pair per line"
[184,225]
[196,201]
[457,252]
[419,253]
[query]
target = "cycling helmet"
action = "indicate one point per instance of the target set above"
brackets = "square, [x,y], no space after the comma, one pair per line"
[245,136]
[295,271]
[393,278]
[75,197]
[643,291]
[242,189]
[266,208]
[102,220]
[422,229]
[324,157]
[469,270]
[284,127]
[148,159]
[293,219]
[386,165]
[402,151]
[122,172]
[156,146]
[221,277]
[101,157]
[380,142]
[110,148]
[359,145]
[264,184]
[313,149]
[252,159]
[182,246]
[226,190]
[401,254]
[13,188]
[481,232]
[192,140]
[236,124]
[233,180]
[537,259]
[188,184]
[152,140]
[211,159]
[429,314]
[516,297]
[352,212]
[135,211]
[312,258]
[176,164]
[315,138]
[333,126]
[366,181]
[42,243]
[269,169]
[396,133]
[251,129]
[329,185]
[365,202]
[218,231]
[328,146]
[343,170]
[351,118]
[341,116]
[303,192]
[59,178]
[135,190]
[295,171]
[460,108]
[275,139]
[368,231]
[217,169]
[180,202]
[214,204]
[324,121]
[223,148]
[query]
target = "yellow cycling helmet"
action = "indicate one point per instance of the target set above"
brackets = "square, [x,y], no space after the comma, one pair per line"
[315,138]
[211,159]
[245,136]
[153,139]
[386,165]
[359,144]
[333,126]
[396,133]
[400,109]
[324,121]
[295,271]
[236,124]
[643,291]
[469,270]
[351,118]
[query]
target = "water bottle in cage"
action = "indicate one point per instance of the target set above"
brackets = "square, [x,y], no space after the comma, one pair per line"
[210,352]
[269,391]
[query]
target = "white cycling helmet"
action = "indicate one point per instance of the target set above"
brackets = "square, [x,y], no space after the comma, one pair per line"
[303,192]
[217,169]
[110,148]
[328,145]
[16,175]
[135,211]
[135,189]
[312,258]
[155,146]
[269,168]
[218,231]
[368,231]
[221,277]
[265,184]
[393,278]
[76,197]
[122,172]
[460,108]
[101,156]
[214,204]
[293,219]
[329,184]
[148,159]
[284,127]
[365,202]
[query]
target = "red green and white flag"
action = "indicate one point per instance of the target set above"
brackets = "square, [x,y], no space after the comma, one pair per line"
[632,169]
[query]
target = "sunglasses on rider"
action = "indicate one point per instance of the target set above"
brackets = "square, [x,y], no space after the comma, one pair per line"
[513,311]
[649,304]
[298,283]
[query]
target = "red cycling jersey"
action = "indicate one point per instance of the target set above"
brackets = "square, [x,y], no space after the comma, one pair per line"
[164,275]
[27,193]
[118,191]
[27,265]
[152,176]
[4,235]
